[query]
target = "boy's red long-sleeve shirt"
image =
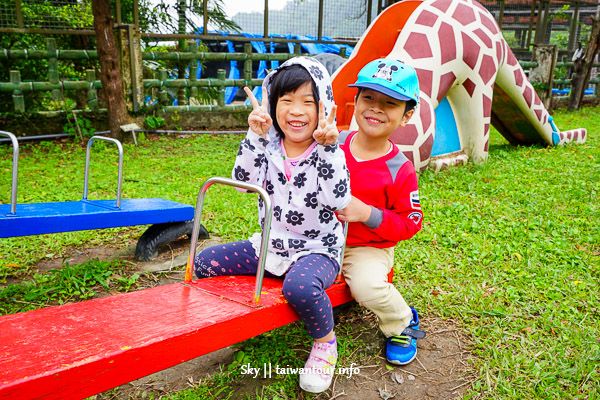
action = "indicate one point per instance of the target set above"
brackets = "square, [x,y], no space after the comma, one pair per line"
[388,183]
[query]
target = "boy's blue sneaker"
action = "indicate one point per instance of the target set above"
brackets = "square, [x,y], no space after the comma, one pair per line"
[402,349]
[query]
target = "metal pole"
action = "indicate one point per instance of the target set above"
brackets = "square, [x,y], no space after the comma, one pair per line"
[118,11]
[345,230]
[501,13]
[538,22]
[545,24]
[132,69]
[260,272]
[15,170]
[574,27]
[531,16]
[266,21]
[87,166]
[320,27]
[136,16]
[205,17]
[19,14]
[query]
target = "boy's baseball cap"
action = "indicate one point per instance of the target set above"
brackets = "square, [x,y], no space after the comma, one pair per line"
[390,77]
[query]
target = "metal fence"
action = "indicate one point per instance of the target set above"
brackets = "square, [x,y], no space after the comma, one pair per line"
[56,16]
[560,22]
[346,19]
[160,88]
[524,23]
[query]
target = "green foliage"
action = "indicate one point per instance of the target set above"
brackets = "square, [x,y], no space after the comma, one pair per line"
[153,122]
[560,39]
[175,118]
[204,95]
[540,86]
[47,15]
[511,40]
[69,283]
[78,126]
[164,16]
[560,72]
[161,17]
[562,14]
[50,15]
[584,33]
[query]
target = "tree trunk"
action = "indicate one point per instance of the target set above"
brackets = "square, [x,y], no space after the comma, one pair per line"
[110,73]
[583,67]
[181,65]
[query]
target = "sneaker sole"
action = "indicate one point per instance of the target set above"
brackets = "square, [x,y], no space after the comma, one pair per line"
[396,362]
[314,388]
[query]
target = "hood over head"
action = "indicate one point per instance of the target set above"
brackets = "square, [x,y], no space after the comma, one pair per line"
[319,75]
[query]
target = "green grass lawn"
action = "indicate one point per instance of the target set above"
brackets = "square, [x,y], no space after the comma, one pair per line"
[510,248]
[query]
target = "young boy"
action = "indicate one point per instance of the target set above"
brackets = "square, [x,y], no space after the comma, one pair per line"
[384,208]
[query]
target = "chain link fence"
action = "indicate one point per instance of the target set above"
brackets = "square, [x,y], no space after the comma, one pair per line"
[561,22]
[340,19]
[564,23]
[46,15]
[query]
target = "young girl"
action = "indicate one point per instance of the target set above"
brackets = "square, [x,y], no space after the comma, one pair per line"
[291,150]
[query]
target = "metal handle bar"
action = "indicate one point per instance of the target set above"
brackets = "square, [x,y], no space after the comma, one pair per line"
[87,166]
[345,230]
[260,272]
[15,170]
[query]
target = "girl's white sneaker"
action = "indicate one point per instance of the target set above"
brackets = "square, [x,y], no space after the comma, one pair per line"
[318,371]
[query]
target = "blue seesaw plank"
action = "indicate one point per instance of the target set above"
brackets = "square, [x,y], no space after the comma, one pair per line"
[41,218]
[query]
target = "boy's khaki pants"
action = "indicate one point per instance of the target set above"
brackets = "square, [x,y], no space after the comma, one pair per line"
[365,270]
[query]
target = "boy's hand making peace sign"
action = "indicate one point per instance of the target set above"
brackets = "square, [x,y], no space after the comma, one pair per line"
[259,119]
[326,132]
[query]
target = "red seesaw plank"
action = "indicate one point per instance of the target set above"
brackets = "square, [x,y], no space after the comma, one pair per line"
[77,350]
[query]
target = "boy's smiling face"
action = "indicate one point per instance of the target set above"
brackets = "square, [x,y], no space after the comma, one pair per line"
[297,116]
[378,115]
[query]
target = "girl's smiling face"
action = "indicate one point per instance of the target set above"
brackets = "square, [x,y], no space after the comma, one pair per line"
[297,116]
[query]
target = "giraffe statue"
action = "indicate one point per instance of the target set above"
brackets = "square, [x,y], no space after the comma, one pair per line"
[469,78]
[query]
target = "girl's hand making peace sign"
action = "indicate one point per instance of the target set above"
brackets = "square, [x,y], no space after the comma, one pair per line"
[259,119]
[326,133]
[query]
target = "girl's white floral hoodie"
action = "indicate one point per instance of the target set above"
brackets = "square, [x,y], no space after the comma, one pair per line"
[303,220]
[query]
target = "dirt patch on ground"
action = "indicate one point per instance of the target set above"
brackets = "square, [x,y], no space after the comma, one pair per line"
[442,370]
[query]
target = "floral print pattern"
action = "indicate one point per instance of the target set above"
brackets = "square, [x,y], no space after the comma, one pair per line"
[304,206]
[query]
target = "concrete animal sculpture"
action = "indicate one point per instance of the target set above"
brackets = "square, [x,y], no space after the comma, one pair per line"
[469,78]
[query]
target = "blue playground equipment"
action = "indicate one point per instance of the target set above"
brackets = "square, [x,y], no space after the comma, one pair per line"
[169,219]
[566,92]
[308,47]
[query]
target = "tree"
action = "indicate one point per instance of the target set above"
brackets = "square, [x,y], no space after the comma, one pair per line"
[110,72]
[64,14]
[175,16]
[583,67]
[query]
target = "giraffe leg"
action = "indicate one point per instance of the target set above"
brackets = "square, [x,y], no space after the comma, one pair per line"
[574,135]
